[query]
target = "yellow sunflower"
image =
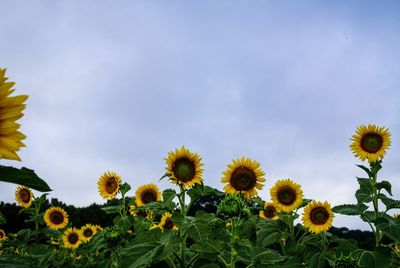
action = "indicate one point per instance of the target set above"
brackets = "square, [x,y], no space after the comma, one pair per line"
[146,213]
[147,193]
[56,218]
[166,222]
[88,231]
[23,196]
[286,195]
[3,235]
[370,142]
[10,111]
[109,184]
[269,211]
[72,238]
[318,217]
[184,167]
[243,176]
[98,228]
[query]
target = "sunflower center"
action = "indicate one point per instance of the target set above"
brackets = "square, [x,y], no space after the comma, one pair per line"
[1,234]
[168,224]
[286,196]
[25,195]
[73,238]
[111,185]
[319,216]
[371,142]
[269,212]
[56,217]
[88,232]
[149,196]
[184,169]
[243,179]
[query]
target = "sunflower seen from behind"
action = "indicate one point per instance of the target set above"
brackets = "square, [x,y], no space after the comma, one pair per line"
[269,211]
[370,142]
[72,238]
[286,195]
[147,193]
[109,184]
[10,111]
[88,231]
[184,167]
[56,218]
[244,176]
[318,217]
[23,196]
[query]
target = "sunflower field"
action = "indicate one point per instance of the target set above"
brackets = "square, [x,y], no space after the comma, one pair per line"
[174,228]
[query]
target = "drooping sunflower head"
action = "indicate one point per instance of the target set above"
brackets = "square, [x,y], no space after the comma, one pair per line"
[147,193]
[56,218]
[88,231]
[243,176]
[72,238]
[23,196]
[269,211]
[109,184]
[318,217]
[10,111]
[370,142]
[286,195]
[166,222]
[3,235]
[145,213]
[184,167]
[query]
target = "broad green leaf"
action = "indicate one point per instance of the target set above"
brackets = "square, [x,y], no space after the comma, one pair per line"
[201,190]
[390,203]
[366,170]
[111,209]
[385,185]
[318,261]
[389,227]
[367,260]
[23,176]
[363,196]
[349,209]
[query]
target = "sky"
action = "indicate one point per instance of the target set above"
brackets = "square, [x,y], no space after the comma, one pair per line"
[116,85]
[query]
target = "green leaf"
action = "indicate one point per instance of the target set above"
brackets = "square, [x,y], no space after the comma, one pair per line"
[390,203]
[349,209]
[201,190]
[379,258]
[367,260]
[305,202]
[169,195]
[23,176]
[111,209]
[124,188]
[318,260]
[389,227]
[368,216]
[385,185]
[366,170]
[363,196]
[271,239]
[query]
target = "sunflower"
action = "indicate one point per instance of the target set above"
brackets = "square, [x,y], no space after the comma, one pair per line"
[23,196]
[98,228]
[146,213]
[269,211]
[88,231]
[3,235]
[370,142]
[243,176]
[166,222]
[109,184]
[286,195]
[56,218]
[10,111]
[184,167]
[318,217]
[72,238]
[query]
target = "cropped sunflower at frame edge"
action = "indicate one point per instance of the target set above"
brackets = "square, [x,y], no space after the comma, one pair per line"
[147,193]
[370,142]
[109,184]
[184,167]
[244,176]
[10,111]
[286,195]
[23,196]
[318,216]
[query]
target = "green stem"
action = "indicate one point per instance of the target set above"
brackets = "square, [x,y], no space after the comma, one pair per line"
[182,233]
[375,195]
[291,227]
[233,242]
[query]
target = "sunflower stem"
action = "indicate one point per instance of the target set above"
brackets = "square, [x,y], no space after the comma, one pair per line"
[375,195]
[233,242]
[182,233]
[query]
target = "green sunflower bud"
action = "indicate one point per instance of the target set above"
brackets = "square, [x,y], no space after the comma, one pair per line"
[113,235]
[233,206]
[343,262]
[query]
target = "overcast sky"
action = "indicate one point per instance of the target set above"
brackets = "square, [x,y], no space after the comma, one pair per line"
[115,85]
